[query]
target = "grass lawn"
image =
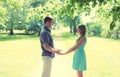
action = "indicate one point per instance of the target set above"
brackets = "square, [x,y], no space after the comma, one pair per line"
[22,58]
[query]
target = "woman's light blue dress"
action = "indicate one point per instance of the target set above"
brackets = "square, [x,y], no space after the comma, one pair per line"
[79,60]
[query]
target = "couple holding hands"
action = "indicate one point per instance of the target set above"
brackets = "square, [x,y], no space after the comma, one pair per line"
[48,50]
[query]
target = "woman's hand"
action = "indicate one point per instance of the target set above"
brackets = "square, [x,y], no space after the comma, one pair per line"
[62,53]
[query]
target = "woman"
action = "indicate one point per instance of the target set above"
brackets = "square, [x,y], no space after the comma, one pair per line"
[79,60]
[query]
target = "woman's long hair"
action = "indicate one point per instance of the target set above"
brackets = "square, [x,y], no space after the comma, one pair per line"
[82,30]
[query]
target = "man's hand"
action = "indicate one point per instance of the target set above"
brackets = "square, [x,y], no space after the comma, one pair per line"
[57,51]
[62,53]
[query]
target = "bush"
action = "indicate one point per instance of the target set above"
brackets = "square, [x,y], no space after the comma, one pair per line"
[106,33]
[94,29]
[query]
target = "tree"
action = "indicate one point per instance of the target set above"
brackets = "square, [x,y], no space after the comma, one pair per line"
[85,6]
[110,13]
[72,12]
[67,22]
[15,13]
[2,16]
[94,29]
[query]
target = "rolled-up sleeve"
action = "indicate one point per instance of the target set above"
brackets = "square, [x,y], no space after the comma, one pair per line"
[44,37]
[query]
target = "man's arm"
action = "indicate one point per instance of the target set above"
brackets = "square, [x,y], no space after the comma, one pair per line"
[45,39]
[50,49]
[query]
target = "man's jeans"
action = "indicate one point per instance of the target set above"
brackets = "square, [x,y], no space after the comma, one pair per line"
[47,65]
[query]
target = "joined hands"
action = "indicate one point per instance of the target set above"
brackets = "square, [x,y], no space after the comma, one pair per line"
[58,52]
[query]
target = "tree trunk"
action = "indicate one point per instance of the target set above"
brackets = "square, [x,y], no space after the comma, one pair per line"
[74,29]
[71,27]
[11,32]
[117,35]
[71,24]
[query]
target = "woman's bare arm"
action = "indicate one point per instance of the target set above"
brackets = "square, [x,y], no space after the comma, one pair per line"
[76,46]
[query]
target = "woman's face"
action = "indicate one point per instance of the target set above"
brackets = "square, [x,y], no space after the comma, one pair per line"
[78,31]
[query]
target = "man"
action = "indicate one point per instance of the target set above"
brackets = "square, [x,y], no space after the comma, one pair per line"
[47,46]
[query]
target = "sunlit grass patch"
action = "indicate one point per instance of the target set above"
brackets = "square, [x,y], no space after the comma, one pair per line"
[6,37]
[67,35]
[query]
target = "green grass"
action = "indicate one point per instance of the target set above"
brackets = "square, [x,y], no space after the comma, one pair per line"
[67,35]
[6,37]
[20,57]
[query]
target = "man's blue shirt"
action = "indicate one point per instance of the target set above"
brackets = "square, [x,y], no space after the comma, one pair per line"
[45,37]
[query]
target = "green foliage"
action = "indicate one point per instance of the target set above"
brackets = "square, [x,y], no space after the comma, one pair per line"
[108,16]
[26,14]
[112,25]
[36,3]
[15,14]
[85,6]
[94,29]
[111,9]
[2,14]
[34,27]
[106,33]
[115,16]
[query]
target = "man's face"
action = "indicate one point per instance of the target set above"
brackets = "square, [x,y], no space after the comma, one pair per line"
[49,23]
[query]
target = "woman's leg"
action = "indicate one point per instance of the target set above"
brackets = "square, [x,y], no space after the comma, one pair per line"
[79,73]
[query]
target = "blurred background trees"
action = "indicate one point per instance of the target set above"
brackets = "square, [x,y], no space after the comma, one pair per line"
[100,16]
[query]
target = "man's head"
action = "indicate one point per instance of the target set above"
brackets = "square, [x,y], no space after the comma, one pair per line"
[48,22]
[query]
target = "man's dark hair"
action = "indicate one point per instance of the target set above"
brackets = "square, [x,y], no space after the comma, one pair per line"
[47,19]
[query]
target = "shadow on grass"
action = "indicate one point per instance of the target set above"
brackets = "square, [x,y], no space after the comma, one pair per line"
[17,36]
